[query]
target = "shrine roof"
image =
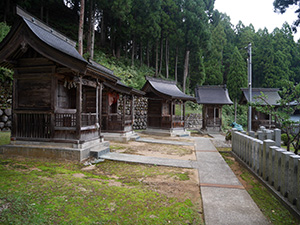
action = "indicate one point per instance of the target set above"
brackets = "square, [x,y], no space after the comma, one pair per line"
[165,89]
[272,95]
[212,95]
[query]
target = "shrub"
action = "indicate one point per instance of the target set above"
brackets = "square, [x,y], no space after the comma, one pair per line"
[284,138]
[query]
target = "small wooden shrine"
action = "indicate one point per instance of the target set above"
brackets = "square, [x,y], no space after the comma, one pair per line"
[118,111]
[259,118]
[57,94]
[212,98]
[166,107]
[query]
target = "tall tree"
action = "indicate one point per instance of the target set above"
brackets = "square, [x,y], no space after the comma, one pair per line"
[237,76]
[80,29]
[282,5]
[195,29]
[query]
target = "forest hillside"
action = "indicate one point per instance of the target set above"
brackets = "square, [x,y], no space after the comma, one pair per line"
[188,41]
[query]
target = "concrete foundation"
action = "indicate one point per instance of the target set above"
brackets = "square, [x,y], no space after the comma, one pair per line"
[54,150]
[121,137]
[175,132]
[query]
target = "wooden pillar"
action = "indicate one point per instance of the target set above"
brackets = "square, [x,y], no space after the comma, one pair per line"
[183,112]
[220,117]
[172,114]
[100,95]
[204,113]
[14,106]
[54,96]
[78,108]
[132,110]
[124,111]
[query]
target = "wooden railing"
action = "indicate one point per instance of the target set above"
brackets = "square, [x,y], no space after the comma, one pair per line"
[65,120]
[33,125]
[88,119]
[213,122]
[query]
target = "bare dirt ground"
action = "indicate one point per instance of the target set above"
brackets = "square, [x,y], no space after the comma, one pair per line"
[170,186]
[154,150]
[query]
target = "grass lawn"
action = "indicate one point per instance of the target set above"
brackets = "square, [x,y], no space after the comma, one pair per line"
[272,208]
[4,138]
[47,192]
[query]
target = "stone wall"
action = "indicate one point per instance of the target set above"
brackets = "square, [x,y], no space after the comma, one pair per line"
[5,119]
[193,121]
[140,113]
[275,166]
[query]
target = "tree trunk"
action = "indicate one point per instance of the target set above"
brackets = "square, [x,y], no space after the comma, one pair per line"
[186,69]
[235,109]
[102,34]
[47,16]
[161,55]
[132,51]
[167,58]
[141,53]
[148,56]
[80,30]
[156,58]
[91,27]
[92,43]
[42,12]
[176,63]
[6,11]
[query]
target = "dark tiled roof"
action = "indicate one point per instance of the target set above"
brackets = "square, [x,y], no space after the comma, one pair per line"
[271,93]
[165,88]
[212,95]
[54,40]
[120,87]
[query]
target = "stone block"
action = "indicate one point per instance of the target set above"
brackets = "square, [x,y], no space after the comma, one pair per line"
[4,118]
[260,135]
[271,164]
[277,137]
[292,188]
[277,168]
[7,112]
[285,159]
[265,168]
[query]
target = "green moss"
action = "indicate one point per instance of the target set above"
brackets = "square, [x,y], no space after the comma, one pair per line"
[36,192]
[4,138]
[268,204]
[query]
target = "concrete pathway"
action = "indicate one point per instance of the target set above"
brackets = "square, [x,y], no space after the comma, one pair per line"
[149,160]
[225,201]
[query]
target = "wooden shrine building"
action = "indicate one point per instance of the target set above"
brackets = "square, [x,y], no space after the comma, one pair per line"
[212,98]
[57,94]
[118,111]
[259,118]
[164,99]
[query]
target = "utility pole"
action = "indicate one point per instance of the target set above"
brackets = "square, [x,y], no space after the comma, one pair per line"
[249,60]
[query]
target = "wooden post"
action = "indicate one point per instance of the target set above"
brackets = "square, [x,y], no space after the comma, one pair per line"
[100,107]
[14,106]
[172,114]
[183,109]
[78,108]
[53,104]
[124,111]
[132,110]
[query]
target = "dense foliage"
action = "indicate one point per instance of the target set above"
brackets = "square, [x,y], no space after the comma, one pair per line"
[185,40]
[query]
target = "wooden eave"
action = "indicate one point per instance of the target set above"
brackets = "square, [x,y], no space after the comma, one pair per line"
[20,36]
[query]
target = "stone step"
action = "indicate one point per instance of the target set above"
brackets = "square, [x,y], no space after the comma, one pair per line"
[97,152]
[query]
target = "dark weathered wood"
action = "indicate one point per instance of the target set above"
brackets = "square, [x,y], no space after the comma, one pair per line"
[78,107]
[100,108]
